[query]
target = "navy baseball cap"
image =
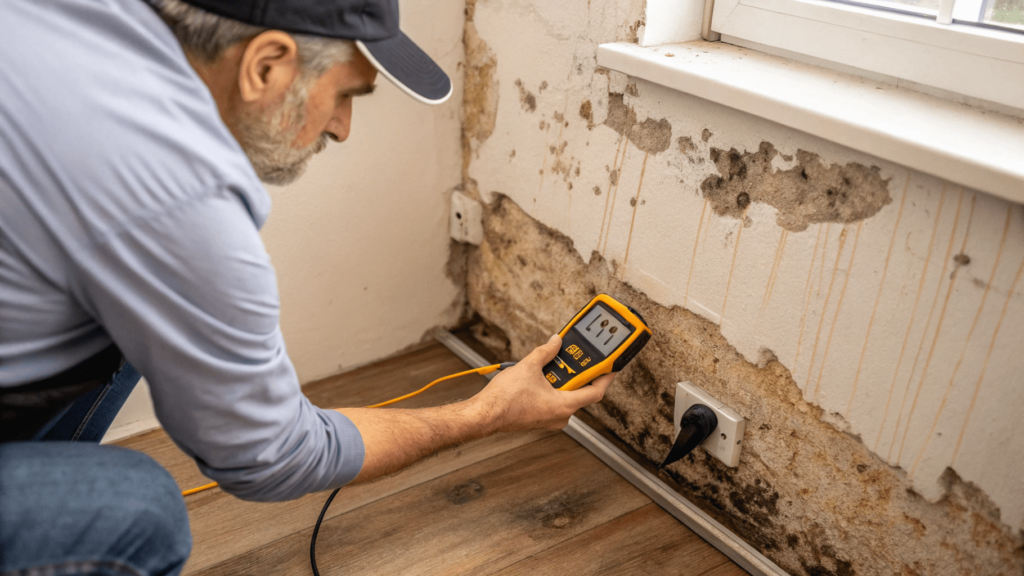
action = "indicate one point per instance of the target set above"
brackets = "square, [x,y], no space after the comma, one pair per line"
[371,24]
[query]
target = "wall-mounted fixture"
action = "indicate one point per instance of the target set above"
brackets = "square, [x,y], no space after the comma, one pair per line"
[701,420]
[465,219]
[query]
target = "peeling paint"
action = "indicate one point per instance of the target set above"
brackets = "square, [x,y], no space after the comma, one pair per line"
[651,136]
[812,498]
[810,192]
[835,306]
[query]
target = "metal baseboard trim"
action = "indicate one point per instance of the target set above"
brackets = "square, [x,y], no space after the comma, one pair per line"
[694,518]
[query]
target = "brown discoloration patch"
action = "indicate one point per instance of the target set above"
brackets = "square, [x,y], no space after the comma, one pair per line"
[808,193]
[919,527]
[587,112]
[491,336]
[706,135]
[689,149]
[560,511]
[652,136]
[634,32]
[479,90]
[813,499]
[456,270]
[526,98]
[465,492]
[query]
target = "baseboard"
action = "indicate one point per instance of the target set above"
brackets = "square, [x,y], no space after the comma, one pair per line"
[740,552]
[123,431]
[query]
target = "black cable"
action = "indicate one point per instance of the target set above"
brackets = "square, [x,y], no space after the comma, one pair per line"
[316,530]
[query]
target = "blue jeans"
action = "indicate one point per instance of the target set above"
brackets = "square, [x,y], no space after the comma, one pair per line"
[70,507]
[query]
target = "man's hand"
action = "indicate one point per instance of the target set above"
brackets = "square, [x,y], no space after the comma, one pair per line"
[520,398]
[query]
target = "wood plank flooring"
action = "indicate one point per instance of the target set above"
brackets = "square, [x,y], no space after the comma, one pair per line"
[533,503]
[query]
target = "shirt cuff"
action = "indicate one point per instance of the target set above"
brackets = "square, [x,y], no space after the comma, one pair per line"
[350,444]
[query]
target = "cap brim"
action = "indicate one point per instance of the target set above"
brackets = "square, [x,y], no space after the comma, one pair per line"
[402,62]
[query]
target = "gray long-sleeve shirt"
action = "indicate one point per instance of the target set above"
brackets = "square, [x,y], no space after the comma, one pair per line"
[129,214]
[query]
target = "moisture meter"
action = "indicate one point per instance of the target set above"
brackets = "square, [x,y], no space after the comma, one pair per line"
[601,338]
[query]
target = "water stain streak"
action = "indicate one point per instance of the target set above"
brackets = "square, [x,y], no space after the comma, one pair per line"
[770,285]
[615,194]
[693,259]
[910,326]
[607,197]
[938,329]
[824,308]
[839,305]
[984,366]
[732,267]
[878,298]
[636,204]
[967,341]
[807,300]
[821,270]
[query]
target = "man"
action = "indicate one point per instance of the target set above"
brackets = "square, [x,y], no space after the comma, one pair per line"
[132,141]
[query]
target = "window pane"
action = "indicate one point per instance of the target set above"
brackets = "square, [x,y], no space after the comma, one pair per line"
[929,8]
[1008,14]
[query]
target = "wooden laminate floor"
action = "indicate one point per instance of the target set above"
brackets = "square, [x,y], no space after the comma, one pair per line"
[534,503]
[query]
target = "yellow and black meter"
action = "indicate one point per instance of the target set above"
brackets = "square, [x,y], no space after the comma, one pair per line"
[601,338]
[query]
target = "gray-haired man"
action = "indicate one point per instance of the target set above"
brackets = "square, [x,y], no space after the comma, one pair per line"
[133,139]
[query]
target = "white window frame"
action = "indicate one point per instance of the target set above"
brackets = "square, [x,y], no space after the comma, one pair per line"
[981,63]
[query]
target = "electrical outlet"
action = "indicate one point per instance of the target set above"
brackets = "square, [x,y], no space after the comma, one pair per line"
[465,220]
[727,439]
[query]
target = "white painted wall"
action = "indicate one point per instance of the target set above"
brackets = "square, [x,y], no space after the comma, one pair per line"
[360,243]
[923,364]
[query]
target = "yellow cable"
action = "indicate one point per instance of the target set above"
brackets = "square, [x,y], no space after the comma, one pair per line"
[192,491]
[481,371]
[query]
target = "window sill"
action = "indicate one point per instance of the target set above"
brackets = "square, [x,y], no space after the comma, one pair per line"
[976,148]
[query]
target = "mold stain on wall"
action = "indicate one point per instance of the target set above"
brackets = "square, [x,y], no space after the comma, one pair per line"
[480,90]
[652,136]
[813,499]
[808,193]
[811,495]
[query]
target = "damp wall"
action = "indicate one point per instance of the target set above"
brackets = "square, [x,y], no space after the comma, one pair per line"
[865,318]
[360,242]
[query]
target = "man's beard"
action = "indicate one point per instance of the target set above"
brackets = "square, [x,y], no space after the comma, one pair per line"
[267,136]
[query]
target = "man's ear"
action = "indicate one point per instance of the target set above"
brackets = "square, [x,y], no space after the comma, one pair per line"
[269,65]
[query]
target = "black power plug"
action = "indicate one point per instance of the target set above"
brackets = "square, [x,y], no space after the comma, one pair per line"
[697,423]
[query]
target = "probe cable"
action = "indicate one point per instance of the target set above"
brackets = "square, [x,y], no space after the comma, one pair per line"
[316,529]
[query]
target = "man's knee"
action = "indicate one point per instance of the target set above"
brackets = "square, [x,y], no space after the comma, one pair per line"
[86,502]
[155,517]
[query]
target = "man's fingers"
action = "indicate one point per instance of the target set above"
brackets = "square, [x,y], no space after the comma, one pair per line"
[593,393]
[602,383]
[544,353]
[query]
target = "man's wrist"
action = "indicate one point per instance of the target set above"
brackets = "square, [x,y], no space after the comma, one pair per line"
[484,414]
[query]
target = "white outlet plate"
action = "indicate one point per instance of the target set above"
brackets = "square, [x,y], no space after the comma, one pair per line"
[465,220]
[727,439]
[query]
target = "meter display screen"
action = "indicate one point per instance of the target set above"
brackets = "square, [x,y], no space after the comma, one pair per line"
[600,335]
[603,330]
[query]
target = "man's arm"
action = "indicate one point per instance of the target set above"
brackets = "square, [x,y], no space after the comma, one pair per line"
[517,399]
